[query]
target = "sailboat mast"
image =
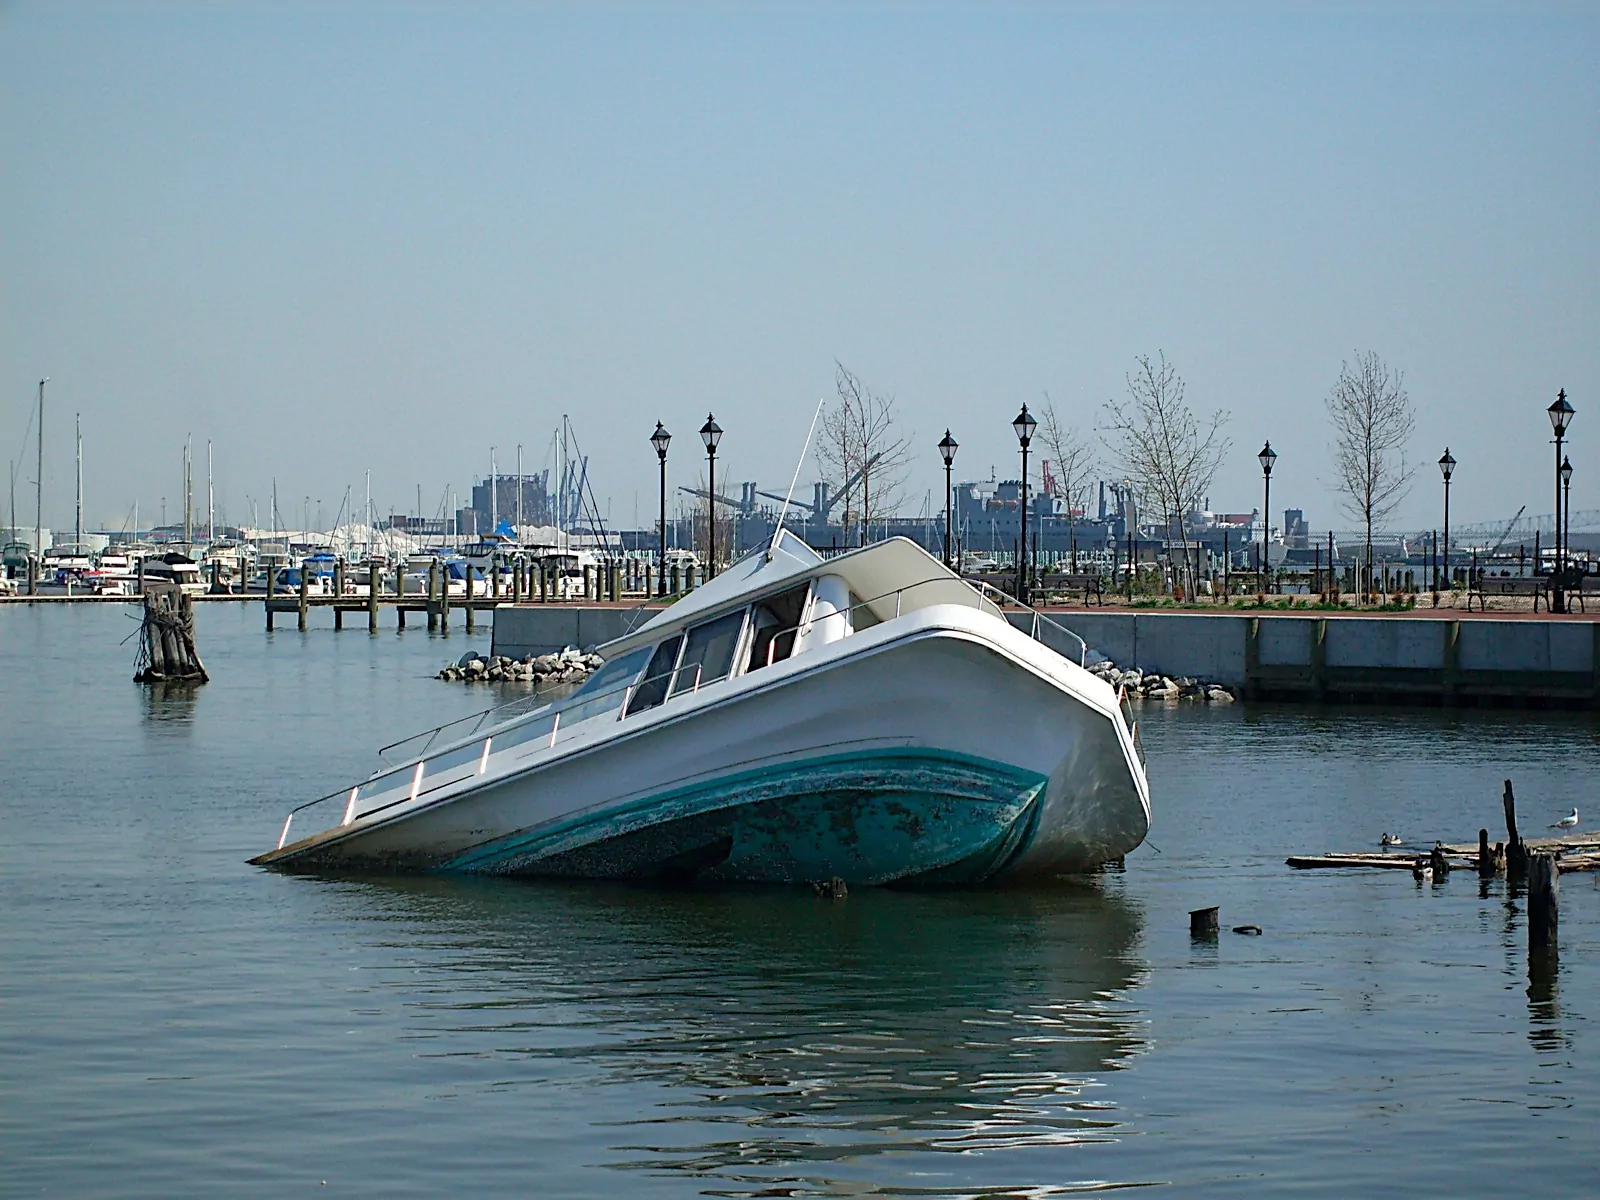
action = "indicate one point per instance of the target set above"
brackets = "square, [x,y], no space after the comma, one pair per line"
[519,491]
[188,495]
[77,517]
[38,484]
[211,499]
[494,500]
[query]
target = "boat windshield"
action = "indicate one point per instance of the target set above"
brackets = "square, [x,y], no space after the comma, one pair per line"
[603,692]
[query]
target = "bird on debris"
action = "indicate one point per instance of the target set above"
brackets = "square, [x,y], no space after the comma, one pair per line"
[1567,822]
[1393,839]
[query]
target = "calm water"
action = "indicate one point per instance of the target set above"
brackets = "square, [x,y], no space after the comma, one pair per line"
[176,1023]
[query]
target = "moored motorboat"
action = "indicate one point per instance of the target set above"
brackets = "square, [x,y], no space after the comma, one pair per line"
[871,717]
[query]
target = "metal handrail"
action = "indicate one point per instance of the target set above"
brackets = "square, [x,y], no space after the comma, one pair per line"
[554,709]
[1008,598]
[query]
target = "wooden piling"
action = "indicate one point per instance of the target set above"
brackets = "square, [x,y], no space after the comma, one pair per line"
[1516,852]
[433,591]
[471,625]
[305,595]
[374,582]
[516,581]
[166,638]
[588,582]
[444,598]
[1543,899]
[543,585]
[677,579]
[140,583]
[1203,924]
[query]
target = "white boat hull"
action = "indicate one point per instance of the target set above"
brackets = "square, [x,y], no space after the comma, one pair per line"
[949,749]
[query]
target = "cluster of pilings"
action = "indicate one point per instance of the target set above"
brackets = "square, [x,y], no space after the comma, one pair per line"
[166,638]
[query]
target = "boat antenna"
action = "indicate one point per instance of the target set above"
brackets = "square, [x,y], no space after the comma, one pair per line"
[789,495]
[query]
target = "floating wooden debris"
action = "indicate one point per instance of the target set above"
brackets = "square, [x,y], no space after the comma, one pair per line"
[166,639]
[1573,852]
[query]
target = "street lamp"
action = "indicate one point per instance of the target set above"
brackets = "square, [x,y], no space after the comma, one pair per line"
[711,434]
[1267,457]
[1447,466]
[947,451]
[1566,504]
[1024,426]
[1560,414]
[661,439]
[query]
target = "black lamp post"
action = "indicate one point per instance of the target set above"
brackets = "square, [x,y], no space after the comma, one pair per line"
[947,451]
[1447,466]
[1566,505]
[711,434]
[1267,457]
[1024,426]
[1560,417]
[661,439]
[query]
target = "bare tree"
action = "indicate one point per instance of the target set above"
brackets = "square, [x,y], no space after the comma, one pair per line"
[1168,454]
[864,457]
[702,509]
[1072,458]
[1372,421]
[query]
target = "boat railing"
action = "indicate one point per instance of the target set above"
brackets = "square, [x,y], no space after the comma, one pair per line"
[1039,619]
[422,771]
[466,755]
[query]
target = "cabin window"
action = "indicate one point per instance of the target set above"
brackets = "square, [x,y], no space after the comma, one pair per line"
[774,623]
[652,689]
[708,652]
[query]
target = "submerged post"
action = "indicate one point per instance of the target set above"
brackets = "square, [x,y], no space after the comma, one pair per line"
[1516,853]
[1543,899]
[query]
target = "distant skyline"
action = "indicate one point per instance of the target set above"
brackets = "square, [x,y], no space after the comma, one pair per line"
[385,236]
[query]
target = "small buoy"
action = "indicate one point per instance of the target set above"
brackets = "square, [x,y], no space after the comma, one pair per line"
[1252,930]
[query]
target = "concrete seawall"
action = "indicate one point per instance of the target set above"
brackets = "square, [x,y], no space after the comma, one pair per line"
[1402,659]
[1417,659]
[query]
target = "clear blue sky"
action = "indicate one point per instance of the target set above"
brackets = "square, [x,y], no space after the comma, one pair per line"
[333,237]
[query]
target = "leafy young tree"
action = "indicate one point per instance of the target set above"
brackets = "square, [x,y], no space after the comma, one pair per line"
[864,457]
[1170,456]
[1072,458]
[1372,422]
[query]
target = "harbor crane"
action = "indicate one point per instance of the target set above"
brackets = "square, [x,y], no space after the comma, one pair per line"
[819,510]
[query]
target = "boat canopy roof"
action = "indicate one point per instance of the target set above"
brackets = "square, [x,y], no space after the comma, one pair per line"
[892,576]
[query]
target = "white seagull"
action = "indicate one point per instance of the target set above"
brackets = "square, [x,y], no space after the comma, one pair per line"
[1567,822]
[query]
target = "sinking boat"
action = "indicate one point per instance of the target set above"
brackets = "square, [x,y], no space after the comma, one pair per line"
[871,717]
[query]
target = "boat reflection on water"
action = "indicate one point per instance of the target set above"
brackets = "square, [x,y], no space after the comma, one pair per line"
[771,1032]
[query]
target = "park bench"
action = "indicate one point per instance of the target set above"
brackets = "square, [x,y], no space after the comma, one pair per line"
[1584,585]
[1089,583]
[1505,585]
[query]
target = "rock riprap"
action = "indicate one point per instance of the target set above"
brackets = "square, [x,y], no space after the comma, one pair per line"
[570,666]
[1152,685]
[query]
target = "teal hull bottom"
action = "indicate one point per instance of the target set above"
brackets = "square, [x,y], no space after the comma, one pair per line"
[904,816]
